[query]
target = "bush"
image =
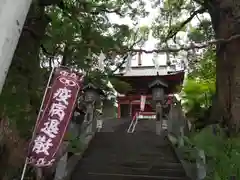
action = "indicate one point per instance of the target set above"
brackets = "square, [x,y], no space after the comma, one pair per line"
[222,153]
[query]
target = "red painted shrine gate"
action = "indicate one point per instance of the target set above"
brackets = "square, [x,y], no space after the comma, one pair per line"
[140,78]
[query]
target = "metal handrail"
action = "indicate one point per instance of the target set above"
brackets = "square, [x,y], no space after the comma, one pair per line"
[133,123]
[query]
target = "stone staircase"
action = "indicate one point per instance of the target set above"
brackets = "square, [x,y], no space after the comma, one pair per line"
[148,125]
[122,156]
[116,125]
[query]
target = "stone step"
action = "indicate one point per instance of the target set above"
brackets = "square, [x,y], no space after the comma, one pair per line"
[144,151]
[109,140]
[118,159]
[106,141]
[146,125]
[113,125]
[159,165]
[119,155]
[135,164]
[132,151]
[112,176]
[150,170]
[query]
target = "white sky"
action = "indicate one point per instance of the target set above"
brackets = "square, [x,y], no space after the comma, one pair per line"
[146,58]
[149,45]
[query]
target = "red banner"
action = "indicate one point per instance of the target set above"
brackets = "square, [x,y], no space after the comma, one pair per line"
[58,106]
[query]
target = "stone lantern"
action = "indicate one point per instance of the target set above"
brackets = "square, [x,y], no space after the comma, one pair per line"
[157,93]
[157,87]
[92,95]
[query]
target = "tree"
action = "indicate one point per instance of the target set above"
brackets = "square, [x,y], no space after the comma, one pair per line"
[224,21]
[199,89]
[77,31]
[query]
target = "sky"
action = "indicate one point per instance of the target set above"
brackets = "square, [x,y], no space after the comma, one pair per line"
[147,21]
[149,45]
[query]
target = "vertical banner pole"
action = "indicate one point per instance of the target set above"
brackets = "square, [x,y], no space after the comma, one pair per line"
[45,93]
[39,113]
[62,94]
[24,169]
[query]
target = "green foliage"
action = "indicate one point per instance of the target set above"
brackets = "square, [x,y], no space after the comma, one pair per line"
[202,32]
[174,16]
[76,32]
[205,67]
[79,31]
[120,86]
[223,154]
[199,88]
[197,92]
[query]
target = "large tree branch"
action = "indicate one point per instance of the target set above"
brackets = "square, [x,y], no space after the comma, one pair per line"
[85,8]
[174,32]
[120,65]
[48,2]
[103,8]
[171,50]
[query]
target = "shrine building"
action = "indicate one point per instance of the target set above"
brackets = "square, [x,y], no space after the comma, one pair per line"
[141,78]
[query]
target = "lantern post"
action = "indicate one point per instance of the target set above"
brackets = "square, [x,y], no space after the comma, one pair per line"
[157,88]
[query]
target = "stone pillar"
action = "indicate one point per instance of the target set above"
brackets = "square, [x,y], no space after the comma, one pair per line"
[62,163]
[99,122]
[175,122]
[99,115]
[158,96]
[89,118]
[158,118]
[170,118]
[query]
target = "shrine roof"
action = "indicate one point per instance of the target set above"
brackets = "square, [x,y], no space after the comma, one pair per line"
[147,71]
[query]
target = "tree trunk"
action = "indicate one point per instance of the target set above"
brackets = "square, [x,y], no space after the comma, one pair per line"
[225,20]
[20,97]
